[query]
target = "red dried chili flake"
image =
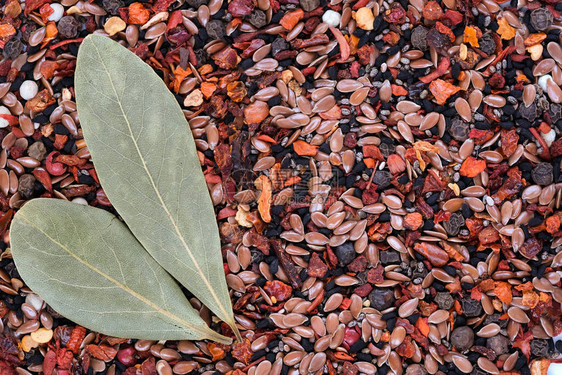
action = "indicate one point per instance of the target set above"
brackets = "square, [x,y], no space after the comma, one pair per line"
[359,264]
[290,19]
[223,158]
[102,351]
[376,275]
[488,235]
[241,8]
[49,362]
[31,5]
[40,101]
[472,167]
[445,30]
[442,68]
[242,351]
[363,290]
[531,248]
[509,139]
[432,183]
[349,368]
[396,14]
[317,267]
[278,289]
[226,58]
[350,337]
[372,151]
[70,160]
[442,90]
[413,221]
[510,187]
[452,17]
[76,338]
[424,208]
[406,349]
[64,359]
[137,14]
[54,168]
[437,256]
[432,10]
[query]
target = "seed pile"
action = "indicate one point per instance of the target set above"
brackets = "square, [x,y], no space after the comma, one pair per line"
[386,177]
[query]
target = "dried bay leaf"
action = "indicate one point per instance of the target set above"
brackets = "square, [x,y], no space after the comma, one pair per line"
[147,163]
[89,267]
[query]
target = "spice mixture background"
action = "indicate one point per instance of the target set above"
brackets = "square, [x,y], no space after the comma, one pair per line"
[386,178]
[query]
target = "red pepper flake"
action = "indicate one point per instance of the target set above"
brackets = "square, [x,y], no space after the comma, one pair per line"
[278,289]
[442,90]
[243,352]
[472,167]
[102,351]
[488,235]
[138,14]
[376,275]
[396,14]
[76,338]
[316,267]
[241,8]
[445,30]
[452,17]
[359,264]
[433,253]
[31,5]
[432,11]
[442,68]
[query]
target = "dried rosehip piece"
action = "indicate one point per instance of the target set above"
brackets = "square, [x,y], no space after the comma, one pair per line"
[541,19]
[68,27]
[543,174]
[459,129]
[530,112]
[419,37]
[454,224]
[487,44]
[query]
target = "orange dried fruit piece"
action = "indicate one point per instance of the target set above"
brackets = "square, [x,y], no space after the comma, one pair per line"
[208,88]
[303,148]
[114,25]
[471,35]
[365,18]
[236,91]
[256,112]
[552,224]
[290,20]
[442,90]
[138,14]
[502,290]
[505,30]
[472,167]
[535,38]
[263,183]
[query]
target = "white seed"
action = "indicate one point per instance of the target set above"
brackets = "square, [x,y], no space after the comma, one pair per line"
[4,111]
[58,11]
[331,18]
[28,89]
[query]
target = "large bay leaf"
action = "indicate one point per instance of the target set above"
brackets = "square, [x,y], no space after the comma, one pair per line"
[90,268]
[147,163]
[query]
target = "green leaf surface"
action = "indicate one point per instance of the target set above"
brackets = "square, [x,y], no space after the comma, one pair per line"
[146,160]
[90,268]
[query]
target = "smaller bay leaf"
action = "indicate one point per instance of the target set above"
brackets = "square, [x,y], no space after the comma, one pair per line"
[89,267]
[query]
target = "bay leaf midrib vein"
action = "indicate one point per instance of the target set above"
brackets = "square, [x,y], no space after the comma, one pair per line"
[168,213]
